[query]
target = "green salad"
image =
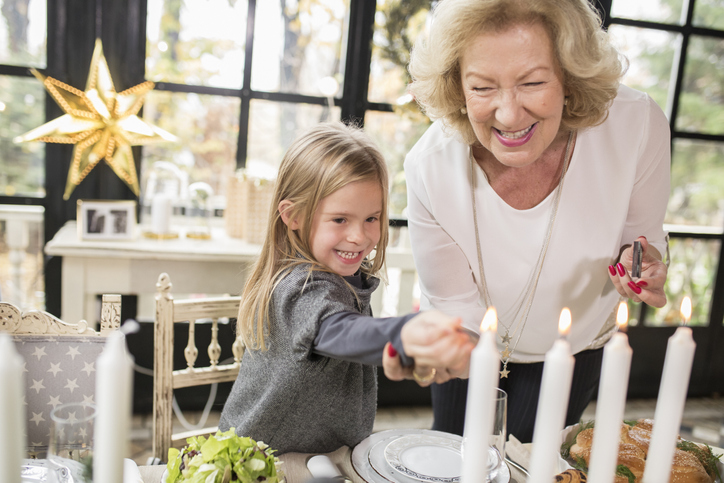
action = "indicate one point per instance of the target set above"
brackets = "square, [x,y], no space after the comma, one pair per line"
[222,458]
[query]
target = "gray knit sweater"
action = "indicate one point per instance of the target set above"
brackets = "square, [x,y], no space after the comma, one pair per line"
[288,396]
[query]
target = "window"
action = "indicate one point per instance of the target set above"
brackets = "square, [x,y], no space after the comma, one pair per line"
[22,166]
[676,50]
[238,88]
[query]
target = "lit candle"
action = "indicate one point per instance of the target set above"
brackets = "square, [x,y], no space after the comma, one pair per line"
[480,409]
[12,414]
[114,375]
[670,405]
[611,402]
[552,405]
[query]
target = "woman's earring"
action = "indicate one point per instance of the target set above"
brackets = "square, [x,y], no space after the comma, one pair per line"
[565,101]
[463,110]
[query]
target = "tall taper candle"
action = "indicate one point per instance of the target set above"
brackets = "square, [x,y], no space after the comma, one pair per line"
[611,402]
[670,405]
[552,405]
[114,375]
[480,409]
[12,413]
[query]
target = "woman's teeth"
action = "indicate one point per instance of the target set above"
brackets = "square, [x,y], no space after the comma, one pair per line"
[348,255]
[515,134]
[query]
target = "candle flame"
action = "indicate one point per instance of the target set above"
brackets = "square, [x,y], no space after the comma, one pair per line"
[490,320]
[686,309]
[622,316]
[564,323]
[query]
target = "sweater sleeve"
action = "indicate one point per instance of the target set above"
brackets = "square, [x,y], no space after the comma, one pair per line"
[353,337]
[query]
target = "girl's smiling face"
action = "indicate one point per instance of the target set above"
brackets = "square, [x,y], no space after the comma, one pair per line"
[346,226]
[513,92]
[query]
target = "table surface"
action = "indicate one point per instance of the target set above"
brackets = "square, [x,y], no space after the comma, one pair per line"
[295,468]
[220,247]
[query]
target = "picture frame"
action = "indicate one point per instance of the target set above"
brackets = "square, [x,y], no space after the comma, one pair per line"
[106,219]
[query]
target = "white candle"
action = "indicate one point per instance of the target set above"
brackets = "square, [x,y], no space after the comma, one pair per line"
[610,404]
[114,375]
[670,404]
[12,413]
[161,214]
[480,408]
[552,405]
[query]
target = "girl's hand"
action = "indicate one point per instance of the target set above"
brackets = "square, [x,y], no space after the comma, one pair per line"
[435,341]
[649,288]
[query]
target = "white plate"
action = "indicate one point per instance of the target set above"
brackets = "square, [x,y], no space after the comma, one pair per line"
[426,458]
[368,457]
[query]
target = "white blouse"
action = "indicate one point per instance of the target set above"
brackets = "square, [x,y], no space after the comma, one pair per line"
[616,189]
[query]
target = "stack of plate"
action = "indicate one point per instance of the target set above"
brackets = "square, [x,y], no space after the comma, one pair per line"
[415,455]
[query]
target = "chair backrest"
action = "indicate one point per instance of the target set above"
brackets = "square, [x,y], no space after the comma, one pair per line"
[59,361]
[165,378]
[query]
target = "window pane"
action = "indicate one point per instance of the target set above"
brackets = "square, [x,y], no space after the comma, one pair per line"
[664,11]
[697,184]
[311,48]
[21,256]
[702,96]
[692,270]
[395,134]
[184,47]
[397,26]
[651,59]
[207,127]
[23,32]
[709,13]
[22,166]
[274,125]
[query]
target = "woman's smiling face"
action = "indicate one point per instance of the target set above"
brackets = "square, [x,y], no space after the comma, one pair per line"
[513,92]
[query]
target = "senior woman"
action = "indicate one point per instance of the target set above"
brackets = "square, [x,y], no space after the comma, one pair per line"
[527,191]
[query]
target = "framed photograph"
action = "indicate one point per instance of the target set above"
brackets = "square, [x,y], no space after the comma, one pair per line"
[106,219]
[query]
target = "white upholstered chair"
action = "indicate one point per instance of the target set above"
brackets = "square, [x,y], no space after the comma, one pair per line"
[165,378]
[59,361]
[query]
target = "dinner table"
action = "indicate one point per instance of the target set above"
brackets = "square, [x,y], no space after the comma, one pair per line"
[295,468]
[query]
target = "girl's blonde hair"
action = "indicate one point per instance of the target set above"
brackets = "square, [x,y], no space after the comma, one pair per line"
[591,66]
[322,160]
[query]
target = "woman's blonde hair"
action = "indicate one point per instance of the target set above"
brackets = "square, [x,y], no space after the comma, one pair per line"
[320,161]
[591,67]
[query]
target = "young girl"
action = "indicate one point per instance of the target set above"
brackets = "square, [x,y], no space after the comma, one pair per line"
[307,382]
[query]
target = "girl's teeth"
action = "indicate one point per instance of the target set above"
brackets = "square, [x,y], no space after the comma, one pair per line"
[516,134]
[348,255]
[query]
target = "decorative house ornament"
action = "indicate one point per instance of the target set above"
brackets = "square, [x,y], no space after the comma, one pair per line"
[101,122]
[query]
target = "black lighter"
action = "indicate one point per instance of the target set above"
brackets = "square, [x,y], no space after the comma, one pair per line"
[637,257]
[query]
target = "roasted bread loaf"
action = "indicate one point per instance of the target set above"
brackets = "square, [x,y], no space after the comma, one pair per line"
[691,465]
[571,476]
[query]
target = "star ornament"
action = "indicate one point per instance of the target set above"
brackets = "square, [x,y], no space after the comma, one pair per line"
[100,122]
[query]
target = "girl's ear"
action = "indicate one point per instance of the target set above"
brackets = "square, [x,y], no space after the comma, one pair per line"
[284,208]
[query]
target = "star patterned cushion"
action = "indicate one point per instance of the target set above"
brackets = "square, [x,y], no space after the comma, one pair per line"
[57,370]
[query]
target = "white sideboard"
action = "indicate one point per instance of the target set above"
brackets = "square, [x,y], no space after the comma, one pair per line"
[212,267]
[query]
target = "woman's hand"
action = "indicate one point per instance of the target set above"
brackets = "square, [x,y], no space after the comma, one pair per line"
[438,344]
[649,288]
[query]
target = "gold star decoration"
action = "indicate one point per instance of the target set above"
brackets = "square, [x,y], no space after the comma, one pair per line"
[102,123]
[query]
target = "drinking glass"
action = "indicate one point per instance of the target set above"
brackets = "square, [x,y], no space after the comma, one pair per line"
[70,449]
[496,451]
[500,422]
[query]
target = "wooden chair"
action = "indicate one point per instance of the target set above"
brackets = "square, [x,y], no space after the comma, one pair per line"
[59,361]
[165,378]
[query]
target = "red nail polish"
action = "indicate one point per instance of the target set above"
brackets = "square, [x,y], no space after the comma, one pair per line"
[621,270]
[612,269]
[635,288]
[391,351]
[642,283]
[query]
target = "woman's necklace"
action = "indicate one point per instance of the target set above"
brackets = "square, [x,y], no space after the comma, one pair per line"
[520,318]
